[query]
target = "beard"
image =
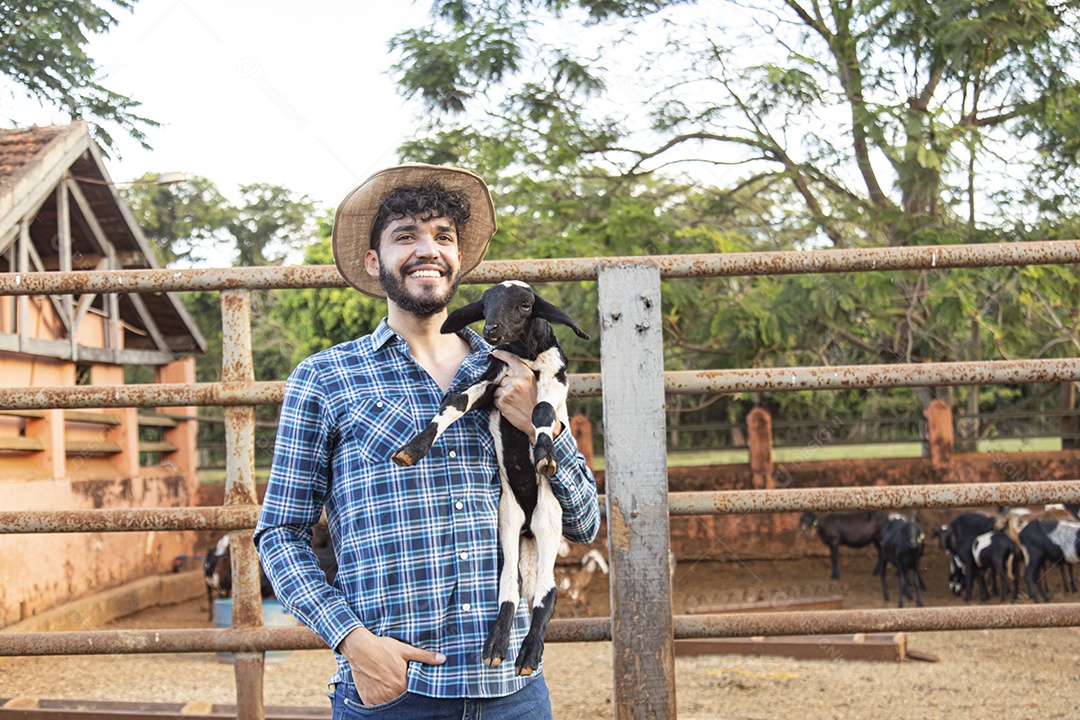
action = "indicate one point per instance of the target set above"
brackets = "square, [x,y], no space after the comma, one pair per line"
[429,302]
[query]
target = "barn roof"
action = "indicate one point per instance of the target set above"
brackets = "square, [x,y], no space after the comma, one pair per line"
[33,163]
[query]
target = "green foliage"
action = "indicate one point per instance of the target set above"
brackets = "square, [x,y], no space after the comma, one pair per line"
[850,125]
[181,221]
[316,319]
[42,49]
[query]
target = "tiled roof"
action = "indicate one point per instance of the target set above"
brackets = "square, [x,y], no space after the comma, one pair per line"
[19,146]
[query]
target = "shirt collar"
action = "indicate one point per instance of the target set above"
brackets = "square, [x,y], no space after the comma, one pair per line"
[383,335]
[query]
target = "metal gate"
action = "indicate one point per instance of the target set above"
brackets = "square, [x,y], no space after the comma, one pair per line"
[637,504]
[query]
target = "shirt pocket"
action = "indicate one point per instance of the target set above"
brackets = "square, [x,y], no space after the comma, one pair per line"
[380,425]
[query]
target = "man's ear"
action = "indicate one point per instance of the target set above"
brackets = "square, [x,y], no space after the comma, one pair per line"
[371,263]
[463,316]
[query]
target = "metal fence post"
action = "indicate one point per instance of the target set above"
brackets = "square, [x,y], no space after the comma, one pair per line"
[635,455]
[237,366]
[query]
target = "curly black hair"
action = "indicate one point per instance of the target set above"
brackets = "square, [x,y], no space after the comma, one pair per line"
[423,202]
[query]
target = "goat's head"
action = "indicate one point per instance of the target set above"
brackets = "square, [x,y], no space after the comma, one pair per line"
[942,535]
[506,310]
[808,521]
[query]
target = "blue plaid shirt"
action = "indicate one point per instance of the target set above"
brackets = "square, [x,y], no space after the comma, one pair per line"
[417,547]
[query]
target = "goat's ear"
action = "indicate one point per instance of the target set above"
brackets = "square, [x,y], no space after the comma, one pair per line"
[463,316]
[543,309]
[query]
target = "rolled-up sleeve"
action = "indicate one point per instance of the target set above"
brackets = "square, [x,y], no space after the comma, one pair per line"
[295,495]
[575,488]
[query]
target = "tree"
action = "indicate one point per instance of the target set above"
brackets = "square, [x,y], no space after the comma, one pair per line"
[847,125]
[42,50]
[184,222]
[270,223]
[319,318]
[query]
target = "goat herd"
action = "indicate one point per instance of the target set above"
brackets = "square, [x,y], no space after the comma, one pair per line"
[1014,542]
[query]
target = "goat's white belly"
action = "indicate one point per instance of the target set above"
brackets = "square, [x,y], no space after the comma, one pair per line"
[1064,536]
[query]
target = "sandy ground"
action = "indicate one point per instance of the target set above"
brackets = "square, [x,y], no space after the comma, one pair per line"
[998,674]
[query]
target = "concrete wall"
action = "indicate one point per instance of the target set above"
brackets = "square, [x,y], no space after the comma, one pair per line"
[778,535]
[83,464]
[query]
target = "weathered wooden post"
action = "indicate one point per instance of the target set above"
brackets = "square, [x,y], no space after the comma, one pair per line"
[632,361]
[759,440]
[940,433]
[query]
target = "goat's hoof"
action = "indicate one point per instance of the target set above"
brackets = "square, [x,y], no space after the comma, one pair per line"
[525,671]
[403,459]
[493,661]
[547,467]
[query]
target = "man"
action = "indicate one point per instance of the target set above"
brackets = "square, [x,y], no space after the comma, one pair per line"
[417,548]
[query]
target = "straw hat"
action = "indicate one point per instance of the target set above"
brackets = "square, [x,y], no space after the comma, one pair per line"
[356,215]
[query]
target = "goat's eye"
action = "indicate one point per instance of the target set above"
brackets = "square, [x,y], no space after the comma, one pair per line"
[525,305]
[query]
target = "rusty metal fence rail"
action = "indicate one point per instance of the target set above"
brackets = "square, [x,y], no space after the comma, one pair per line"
[637,505]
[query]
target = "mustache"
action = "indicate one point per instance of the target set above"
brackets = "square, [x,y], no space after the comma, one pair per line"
[426,263]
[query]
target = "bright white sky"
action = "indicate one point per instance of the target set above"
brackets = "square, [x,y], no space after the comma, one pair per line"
[295,94]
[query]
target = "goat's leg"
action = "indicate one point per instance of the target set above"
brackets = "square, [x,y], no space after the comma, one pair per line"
[1033,565]
[918,590]
[884,582]
[901,578]
[550,408]
[511,522]
[834,556]
[453,407]
[547,530]
[918,577]
[983,594]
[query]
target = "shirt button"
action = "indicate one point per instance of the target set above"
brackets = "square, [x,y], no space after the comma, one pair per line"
[453,454]
[464,556]
[466,607]
[459,506]
[378,404]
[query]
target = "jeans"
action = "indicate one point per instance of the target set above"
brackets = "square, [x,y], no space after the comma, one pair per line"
[529,703]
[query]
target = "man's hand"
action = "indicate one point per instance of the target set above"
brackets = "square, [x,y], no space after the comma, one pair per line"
[379,664]
[515,397]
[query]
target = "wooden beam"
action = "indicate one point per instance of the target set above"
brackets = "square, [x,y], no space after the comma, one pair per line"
[156,420]
[148,321]
[91,447]
[6,241]
[85,416]
[162,446]
[887,647]
[21,444]
[63,233]
[35,260]
[37,414]
[62,351]
[22,302]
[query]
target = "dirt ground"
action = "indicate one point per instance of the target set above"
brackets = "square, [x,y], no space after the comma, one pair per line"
[999,674]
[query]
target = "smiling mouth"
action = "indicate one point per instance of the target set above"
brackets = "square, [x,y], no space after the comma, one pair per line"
[421,274]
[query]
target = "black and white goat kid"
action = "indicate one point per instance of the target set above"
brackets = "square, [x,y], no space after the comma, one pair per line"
[517,320]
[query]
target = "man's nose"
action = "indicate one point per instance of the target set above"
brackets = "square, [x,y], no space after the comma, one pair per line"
[426,246]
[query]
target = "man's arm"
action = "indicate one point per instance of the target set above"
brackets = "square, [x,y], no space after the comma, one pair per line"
[295,495]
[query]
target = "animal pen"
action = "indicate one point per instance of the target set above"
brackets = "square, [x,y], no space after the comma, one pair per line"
[637,503]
